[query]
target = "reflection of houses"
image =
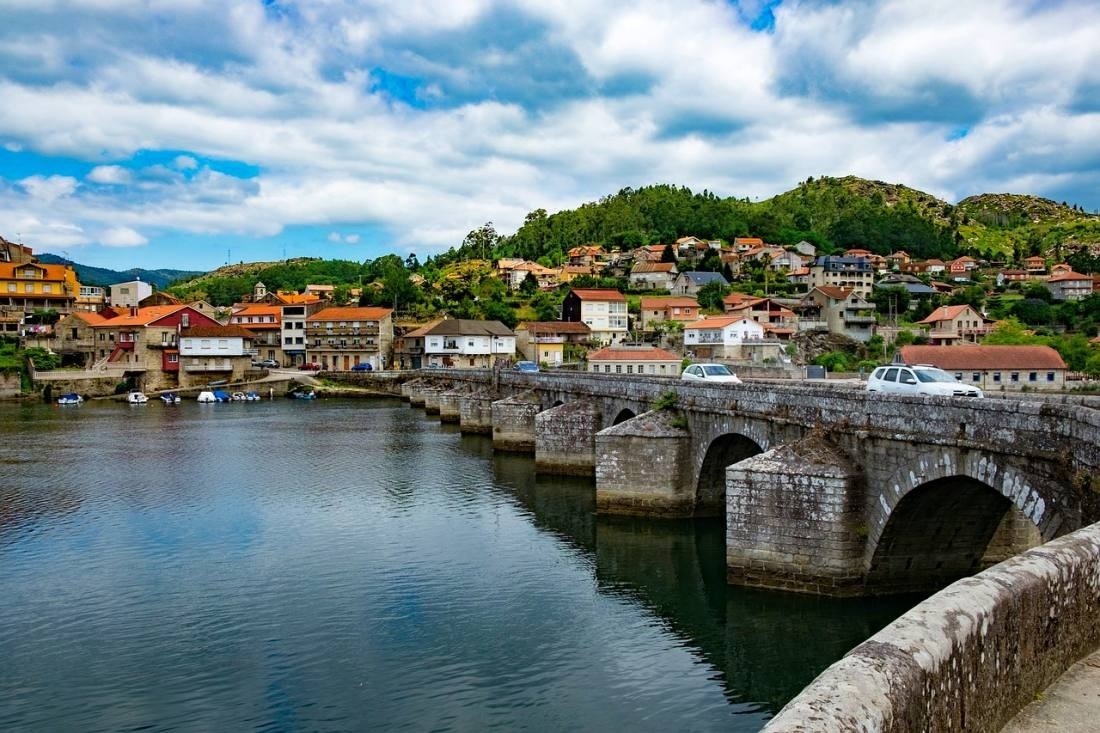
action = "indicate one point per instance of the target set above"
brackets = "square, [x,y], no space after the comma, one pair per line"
[459,343]
[544,341]
[993,367]
[671,308]
[214,353]
[950,324]
[1069,286]
[647,360]
[652,275]
[338,338]
[839,310]
[602,310]
[851,273]
[690,283]
[722,337]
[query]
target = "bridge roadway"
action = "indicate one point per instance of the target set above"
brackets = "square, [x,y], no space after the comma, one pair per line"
[825,490]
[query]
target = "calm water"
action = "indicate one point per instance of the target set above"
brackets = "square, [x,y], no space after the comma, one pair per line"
[334,565]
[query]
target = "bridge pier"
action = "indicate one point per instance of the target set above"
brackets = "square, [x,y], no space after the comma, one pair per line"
[415,391]
[475,413]
[565,439]
[450,405]
[643,467]
[514,423]
[794,520]
[431,399]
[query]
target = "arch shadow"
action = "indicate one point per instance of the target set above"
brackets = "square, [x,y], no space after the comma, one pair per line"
[710,488]
[624,414]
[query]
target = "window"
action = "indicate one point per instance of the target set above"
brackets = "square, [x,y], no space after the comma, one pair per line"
[204,344]
[629,368]
[29,288]
[1050,376]
[47,288]
[11,287]
[1033,376]
[996,376]
[891,375]
[76,333]
[618,368]
[1015,377]
[606,368]
[173,358]
[223,343]
[976,377]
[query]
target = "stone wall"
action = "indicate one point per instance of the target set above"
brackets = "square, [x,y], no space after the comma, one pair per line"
[969,657]
[10,385]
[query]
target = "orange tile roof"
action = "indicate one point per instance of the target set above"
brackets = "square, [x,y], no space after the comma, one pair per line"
[554,327]
[599,294]
[53,272]
[1068,276]
[142,317]
[834,292]
[297,298]
[260,309]
[643,267]
[612,353]
[350,314]
[946,313]
[721,322]
[983,357]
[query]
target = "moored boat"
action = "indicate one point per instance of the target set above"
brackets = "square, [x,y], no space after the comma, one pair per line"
[70,398]
[170,398]
[136,398]
[304,395]
[207,397]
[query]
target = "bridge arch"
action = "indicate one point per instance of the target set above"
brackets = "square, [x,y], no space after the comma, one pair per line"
[623,415]
[710,487]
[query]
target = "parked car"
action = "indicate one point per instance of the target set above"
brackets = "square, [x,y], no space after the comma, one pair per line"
[919,379]
[715,373]
[310,366]
[529,367]
[363,366]
[269,363]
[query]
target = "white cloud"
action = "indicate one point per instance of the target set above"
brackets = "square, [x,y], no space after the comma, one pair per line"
[185,163]
[121,237]
[110,174]
[48,188]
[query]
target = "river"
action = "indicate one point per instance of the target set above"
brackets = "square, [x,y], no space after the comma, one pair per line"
[356,565]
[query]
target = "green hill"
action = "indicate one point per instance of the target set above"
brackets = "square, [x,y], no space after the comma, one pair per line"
[88,275]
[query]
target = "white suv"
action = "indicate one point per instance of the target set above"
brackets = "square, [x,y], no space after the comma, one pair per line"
[918,379]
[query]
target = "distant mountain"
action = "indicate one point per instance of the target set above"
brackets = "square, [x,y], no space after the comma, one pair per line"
[103,277]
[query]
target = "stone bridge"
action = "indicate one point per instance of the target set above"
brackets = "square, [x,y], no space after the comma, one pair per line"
[824,489]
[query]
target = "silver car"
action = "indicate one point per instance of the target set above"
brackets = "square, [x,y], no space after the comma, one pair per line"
[919,379]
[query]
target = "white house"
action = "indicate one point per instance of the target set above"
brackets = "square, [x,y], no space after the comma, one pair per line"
[720,338]
[459,343]
[130,294]
[647,360]
[603,311]
[214,352]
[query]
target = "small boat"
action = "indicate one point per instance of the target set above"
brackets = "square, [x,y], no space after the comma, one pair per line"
[304,395]
[170,398]
[207,397]
[222,395]
[238,397]
[136,398]
[252,396]
[70,398]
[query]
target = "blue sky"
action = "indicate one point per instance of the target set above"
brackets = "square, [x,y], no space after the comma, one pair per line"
[161,133]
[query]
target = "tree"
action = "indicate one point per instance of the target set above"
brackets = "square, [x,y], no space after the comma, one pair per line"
[1033,311]
[890,300]
[710,296]
[1010,332]
[495,310]
[530,284]
[667,255]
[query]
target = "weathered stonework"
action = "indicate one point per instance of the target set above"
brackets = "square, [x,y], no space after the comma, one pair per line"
[475,413]
[642,465]
[431,399]
[514,424]
[969,657]
[565,439]
[449,405]
[793,520]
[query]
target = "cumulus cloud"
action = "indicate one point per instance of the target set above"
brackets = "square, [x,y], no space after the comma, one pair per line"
[48,188]
[426,120]
[122,237]
[109,174]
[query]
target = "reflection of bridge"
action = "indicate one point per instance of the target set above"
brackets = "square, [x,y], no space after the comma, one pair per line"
[824,490]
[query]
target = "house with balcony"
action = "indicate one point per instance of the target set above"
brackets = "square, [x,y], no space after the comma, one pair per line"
[602,310]
[1069,285]
[641,360]
[1035,266]
[850,273]
[545,341]
[839,310]
[265,322]
[778,320]
[30,286]
[408,345]
[294,310]
[658,309]
[340,337]
[952,324]
[722,337]
[214,353]
[546,277]
[460,343]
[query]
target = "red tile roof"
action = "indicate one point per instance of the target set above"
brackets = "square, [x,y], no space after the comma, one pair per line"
[554,327]
[947,313]
[720,322]
[643,267]
[834,292]
[599,294]
[612,353]
[1062,277]
[983,357]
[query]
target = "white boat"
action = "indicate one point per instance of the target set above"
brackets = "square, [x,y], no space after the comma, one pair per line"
[71,398]
[170,398]
[207,397]
[136,398]
[238,397]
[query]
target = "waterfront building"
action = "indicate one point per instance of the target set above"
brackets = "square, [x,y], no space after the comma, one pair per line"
[460,343]
[340,337]
[215,352]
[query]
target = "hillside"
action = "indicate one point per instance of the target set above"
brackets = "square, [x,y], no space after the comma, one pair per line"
[1016,226]
[103,277]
